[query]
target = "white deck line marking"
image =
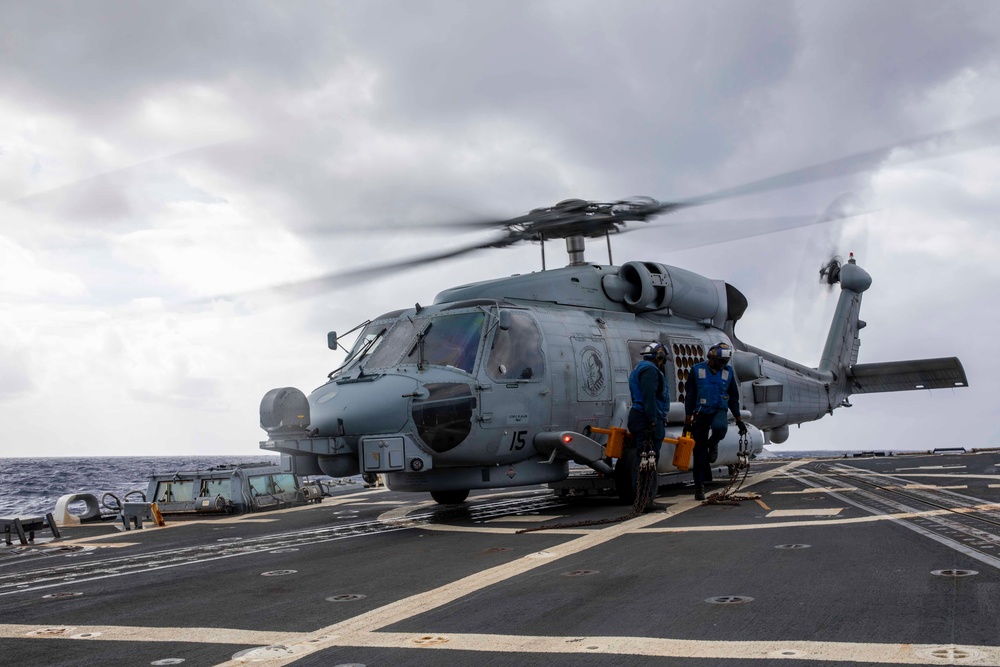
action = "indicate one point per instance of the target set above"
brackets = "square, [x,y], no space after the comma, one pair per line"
[495,530]
[943,474]
[777,514]
[527,518]
[929,468]
[377,502]
[89,543]
[830,522]
[957,546]
[813,491]
[933,486]
[399,513]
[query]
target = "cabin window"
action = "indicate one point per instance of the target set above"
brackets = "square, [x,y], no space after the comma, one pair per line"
[517,352]
[267,485]
[175,491]
[283,483]
[213,488]
[260,485]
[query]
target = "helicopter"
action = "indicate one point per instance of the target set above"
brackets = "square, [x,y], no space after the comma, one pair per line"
[503,383]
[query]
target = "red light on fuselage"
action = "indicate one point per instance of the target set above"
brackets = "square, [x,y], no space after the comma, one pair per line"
[567,438]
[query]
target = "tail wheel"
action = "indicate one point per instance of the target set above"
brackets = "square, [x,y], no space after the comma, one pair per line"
[623,477]
[450,497]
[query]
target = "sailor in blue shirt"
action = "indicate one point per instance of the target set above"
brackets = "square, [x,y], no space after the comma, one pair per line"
[650,404]
[710,392]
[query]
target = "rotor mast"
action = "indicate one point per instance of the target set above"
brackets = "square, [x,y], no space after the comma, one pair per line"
[575,246]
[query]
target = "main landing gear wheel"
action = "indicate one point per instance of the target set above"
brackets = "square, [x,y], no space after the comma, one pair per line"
[623,477]
[450,497]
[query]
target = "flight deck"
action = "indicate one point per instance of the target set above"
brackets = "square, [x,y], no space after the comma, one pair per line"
[847,561]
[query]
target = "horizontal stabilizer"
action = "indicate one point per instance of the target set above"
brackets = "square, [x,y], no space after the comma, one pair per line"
[907,375]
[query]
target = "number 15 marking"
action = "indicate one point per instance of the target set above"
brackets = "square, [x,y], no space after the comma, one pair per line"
[517,440]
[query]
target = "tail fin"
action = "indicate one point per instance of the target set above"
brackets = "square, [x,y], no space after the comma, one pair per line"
[843,342]
[840,354]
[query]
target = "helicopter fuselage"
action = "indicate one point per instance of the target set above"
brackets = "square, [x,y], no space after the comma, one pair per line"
[472,391]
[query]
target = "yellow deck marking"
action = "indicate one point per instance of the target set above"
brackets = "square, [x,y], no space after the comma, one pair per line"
[853,652]
[777,514]
[761,503]
[143,634]
[527,518]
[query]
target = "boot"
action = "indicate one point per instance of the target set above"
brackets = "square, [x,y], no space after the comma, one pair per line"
[699,492]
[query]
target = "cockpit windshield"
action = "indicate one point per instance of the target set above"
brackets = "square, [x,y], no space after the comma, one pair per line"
[442,340]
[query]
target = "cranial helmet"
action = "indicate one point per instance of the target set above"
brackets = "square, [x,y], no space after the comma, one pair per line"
[721,353]
[654,351]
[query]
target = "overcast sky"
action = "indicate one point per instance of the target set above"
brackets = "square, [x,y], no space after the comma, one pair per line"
[158,153]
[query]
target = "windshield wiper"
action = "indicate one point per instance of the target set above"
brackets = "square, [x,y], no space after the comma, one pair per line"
[419,346]
[360,354]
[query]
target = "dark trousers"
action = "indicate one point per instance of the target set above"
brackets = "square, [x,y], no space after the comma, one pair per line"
[638,426]
[707,429]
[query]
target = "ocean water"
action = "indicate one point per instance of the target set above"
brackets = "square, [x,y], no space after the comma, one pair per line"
[32,486]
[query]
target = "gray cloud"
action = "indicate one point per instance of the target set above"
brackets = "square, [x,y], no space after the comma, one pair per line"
[327,116]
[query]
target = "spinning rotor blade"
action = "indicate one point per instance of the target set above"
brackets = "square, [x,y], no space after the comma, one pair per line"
[938,144]
[577,217]
[302,289]
[708,232]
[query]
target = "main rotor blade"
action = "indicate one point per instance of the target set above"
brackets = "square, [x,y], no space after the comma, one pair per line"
[708,232]
[302,289]
[939,144]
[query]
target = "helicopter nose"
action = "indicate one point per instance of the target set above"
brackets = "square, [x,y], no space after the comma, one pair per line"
[359,407]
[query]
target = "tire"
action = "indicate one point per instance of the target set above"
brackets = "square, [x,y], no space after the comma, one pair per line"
[623,477]
[450,497]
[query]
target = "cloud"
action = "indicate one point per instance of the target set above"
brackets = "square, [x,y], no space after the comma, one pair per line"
[155,155]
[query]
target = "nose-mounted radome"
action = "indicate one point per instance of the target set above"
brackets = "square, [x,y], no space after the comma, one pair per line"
[284,410]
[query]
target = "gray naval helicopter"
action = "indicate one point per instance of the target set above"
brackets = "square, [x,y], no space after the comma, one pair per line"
[502,383]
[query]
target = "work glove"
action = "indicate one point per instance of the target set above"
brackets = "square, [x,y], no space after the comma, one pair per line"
[742,427]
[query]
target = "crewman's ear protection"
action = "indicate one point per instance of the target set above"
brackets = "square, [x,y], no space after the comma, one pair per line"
[720,352]
[654,352]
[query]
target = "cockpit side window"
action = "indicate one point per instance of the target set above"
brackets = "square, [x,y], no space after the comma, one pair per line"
[366,344]
[451,340]
[517,352]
